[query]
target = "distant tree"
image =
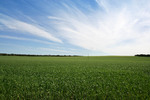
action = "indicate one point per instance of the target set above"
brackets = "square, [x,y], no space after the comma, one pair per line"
[143,55]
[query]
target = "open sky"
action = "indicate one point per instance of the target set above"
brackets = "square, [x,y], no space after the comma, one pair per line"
[82,27]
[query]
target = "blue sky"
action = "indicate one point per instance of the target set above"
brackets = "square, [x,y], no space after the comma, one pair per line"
[81,27]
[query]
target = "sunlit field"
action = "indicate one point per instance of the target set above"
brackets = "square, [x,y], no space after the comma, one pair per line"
[71,78]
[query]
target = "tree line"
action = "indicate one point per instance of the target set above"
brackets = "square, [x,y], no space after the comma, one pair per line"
[12,54]
[143,55]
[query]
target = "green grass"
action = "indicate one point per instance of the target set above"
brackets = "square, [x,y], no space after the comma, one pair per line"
[63,78]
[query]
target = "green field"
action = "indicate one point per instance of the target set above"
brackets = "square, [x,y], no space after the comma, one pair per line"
[71,78]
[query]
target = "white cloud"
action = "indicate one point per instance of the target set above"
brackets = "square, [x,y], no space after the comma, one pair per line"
[26,39]
[103,4]
[36,50]
[56,50]
[56,18]
[124,30]
[28,28]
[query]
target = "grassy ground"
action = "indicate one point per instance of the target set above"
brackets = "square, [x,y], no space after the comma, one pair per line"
[63,78]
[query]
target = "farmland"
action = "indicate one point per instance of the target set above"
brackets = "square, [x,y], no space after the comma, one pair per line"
[62,78]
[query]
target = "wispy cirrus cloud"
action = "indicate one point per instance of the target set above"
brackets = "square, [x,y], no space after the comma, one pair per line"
[24,39]
[36,50]
[120,28]
[21,26]
[101,26]
[56,50]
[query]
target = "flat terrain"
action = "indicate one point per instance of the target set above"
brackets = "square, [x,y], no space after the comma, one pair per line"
[63,78]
